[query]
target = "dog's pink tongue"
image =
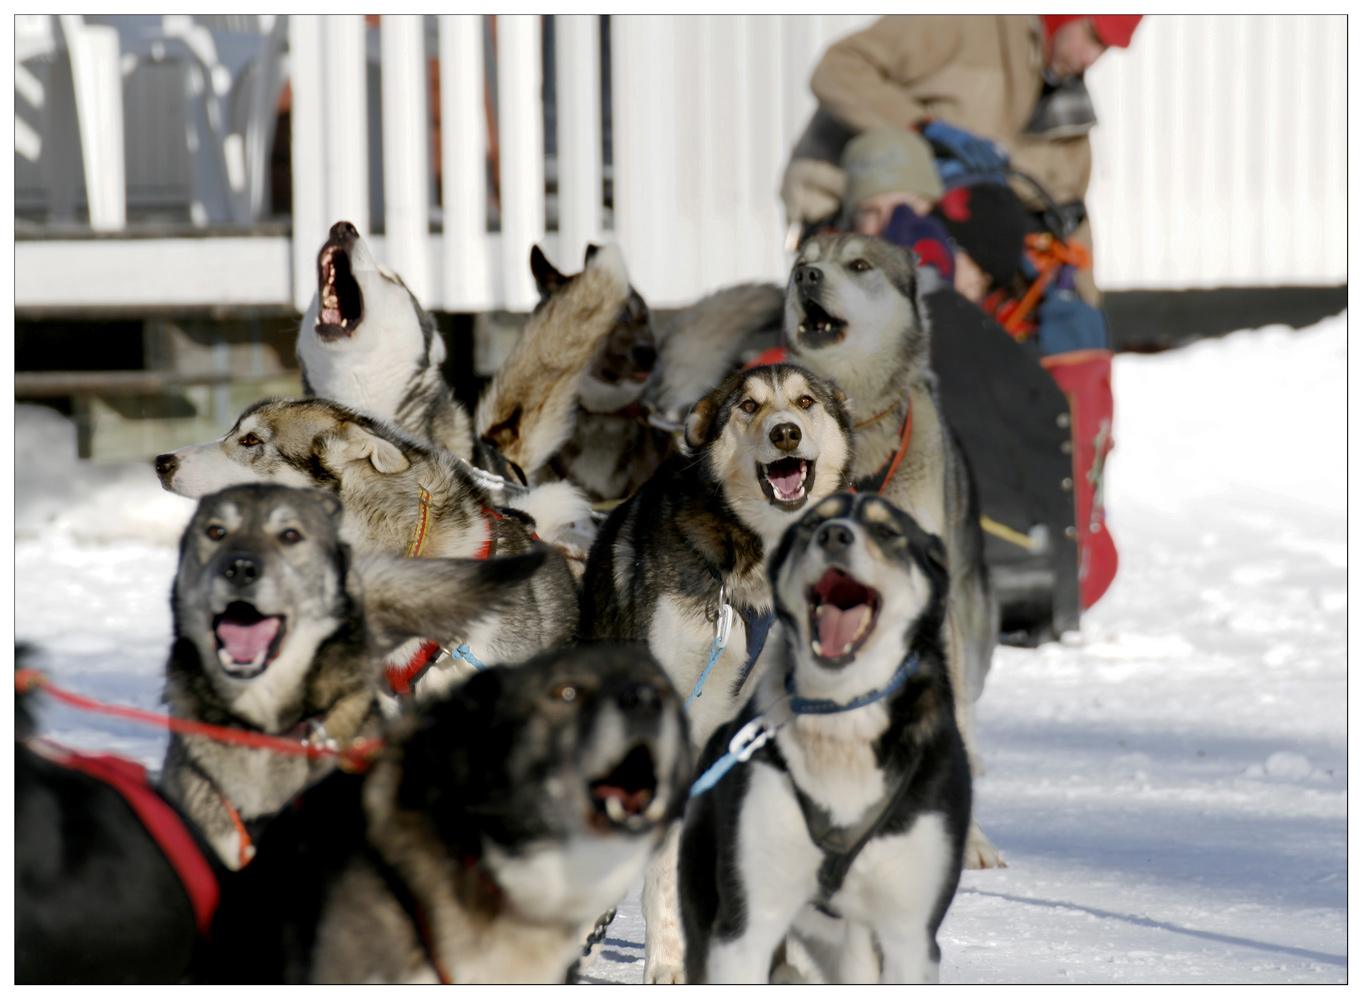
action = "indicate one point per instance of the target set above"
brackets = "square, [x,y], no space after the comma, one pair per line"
[786,484]
[332,316]
[244,643]
[838,628]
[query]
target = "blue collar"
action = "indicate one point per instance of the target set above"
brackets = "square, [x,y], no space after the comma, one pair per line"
[826,706]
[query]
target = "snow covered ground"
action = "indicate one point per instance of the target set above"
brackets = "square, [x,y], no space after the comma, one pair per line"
[1168,786]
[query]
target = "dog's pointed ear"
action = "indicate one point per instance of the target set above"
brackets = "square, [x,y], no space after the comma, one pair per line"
[548,278]
[698,421]
[360,443]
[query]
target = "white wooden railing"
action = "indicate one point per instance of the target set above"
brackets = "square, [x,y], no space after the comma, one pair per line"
[1219,160]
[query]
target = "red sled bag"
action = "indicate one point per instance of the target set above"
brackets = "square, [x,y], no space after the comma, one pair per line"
[1085,377]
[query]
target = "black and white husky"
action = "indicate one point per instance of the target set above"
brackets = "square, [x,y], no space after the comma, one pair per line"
[842,815]
[682,562]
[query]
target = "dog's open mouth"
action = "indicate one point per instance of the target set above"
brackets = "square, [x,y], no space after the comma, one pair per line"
[820,328]
[842,614]
[339,293]
[247,640]
[627,798]
[787,481]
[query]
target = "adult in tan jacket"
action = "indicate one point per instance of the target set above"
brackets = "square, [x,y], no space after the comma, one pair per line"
[981,73]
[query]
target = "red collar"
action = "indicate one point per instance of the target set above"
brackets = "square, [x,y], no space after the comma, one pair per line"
[877,481]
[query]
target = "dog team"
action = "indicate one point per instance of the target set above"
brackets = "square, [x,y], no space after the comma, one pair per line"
[644,611]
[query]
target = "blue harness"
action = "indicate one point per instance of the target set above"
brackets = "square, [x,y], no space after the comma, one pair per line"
[760,729]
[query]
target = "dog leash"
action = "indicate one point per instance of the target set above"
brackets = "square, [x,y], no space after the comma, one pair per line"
[356,756]
[760,730]
[724,623]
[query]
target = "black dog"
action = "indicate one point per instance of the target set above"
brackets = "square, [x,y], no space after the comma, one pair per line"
[97,896]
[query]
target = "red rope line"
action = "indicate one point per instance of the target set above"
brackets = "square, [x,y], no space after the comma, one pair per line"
[356,756]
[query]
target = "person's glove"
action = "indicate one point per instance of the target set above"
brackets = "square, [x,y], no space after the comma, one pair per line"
[1065,322]
[925,236]
[980,156]
[812,189]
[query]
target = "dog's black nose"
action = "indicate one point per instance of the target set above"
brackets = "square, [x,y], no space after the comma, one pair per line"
[242,571]
[166,465]
[639,699]
[835,537]
[807,276]
[786,436]
[344,231]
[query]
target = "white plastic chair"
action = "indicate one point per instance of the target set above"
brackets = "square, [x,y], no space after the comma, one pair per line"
[85,107]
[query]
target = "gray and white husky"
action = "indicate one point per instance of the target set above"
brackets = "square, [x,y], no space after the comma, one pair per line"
[280,630]
[853,315]
[401,497]
[842,833]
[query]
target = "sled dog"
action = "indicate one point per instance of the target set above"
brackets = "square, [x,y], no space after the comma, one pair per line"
[527,411]
[105,890]
[686,554]
[848,823]
[366,343]
[613,449]
[484,843]
[853,315]
[279,631]
[401,497]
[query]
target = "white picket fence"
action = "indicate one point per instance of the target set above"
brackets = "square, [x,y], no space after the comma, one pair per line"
[1219,160]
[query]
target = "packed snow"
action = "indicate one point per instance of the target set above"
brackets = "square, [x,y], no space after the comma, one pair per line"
[1168,785]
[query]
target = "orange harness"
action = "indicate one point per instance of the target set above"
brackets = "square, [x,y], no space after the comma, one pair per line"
[1048,255]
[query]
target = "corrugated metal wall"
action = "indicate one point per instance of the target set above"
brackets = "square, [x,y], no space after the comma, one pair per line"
[1220,157]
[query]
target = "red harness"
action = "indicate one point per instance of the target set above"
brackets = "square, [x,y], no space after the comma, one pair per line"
[129,779]
[402,678]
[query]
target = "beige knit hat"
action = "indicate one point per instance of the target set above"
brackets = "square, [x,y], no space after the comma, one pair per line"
[889,159]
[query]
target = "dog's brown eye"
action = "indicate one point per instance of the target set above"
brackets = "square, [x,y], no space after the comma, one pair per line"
[859,265]
[249,440]
[290,536]
[748,406]
[805,402]
[216,532]
[565,692]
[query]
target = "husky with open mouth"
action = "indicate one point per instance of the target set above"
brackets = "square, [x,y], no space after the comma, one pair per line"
[496,827]
[402,497]
[278,630]
[366,342]
[845,825]
[687,553]
[854,315]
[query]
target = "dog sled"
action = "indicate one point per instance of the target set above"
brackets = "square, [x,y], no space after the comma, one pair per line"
[1034,416]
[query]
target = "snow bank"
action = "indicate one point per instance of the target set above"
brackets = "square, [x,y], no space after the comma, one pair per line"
[87,501]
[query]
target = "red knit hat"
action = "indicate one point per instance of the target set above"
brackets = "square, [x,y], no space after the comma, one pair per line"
[1111,29]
